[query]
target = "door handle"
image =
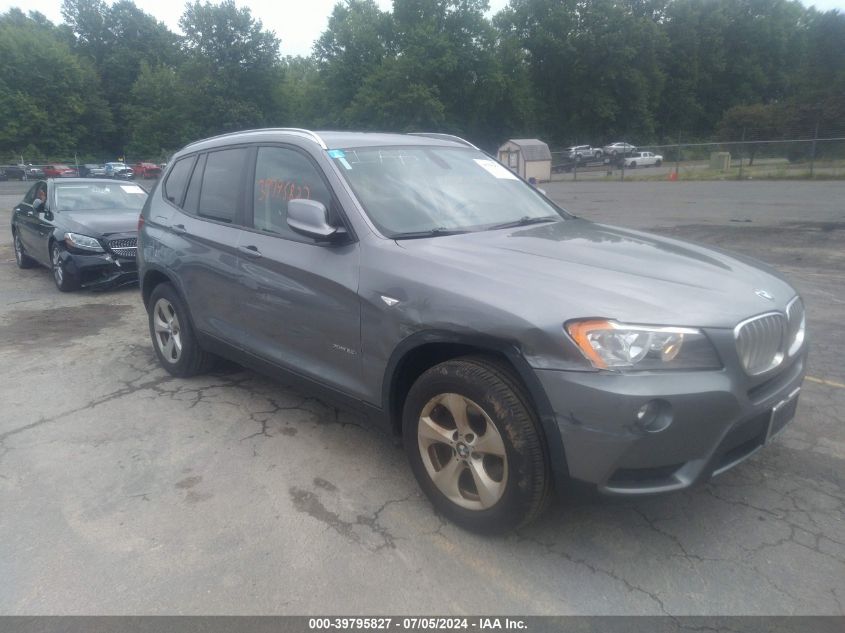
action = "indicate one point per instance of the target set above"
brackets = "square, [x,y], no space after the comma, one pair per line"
[250,251]
[179,228]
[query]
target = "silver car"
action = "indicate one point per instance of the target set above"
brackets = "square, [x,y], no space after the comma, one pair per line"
[619,149]
[512,345]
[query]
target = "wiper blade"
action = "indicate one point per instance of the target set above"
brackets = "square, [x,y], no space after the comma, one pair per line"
[435,232]
[524,221]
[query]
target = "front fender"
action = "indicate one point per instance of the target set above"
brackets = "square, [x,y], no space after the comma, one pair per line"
[480,343]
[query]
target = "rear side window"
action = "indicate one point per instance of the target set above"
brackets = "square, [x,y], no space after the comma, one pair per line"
[192,198]
[221,184]
[177,180]
[282,175]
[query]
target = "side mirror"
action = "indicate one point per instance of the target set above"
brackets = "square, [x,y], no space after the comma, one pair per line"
[310,218]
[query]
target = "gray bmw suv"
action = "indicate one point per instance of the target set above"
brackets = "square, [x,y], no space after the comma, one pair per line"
[511,344]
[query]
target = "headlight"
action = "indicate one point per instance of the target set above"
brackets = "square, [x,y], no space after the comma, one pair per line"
[612,345]
[83,242]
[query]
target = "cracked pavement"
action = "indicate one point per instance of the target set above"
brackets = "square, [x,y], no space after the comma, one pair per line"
[125,491]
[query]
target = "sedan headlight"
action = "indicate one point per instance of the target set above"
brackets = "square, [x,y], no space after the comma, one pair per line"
[611,345]
[83,242]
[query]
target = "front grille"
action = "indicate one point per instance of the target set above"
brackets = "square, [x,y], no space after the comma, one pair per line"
[760,342]
[124,248]
[795,325]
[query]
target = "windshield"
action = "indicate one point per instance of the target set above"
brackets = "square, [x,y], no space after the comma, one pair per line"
[414,190]
[97,197]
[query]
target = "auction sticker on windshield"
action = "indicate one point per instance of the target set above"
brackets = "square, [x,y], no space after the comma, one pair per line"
[131,188]
[494,168]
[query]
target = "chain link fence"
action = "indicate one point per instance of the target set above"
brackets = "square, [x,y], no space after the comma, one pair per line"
[767,159]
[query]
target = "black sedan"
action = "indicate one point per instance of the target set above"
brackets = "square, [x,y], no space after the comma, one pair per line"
[13,173]
[84,230]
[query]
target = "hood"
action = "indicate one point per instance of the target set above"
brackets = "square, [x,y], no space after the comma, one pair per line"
[594,270]
[98,223]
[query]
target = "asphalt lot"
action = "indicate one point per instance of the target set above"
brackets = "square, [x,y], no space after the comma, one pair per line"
[124,491]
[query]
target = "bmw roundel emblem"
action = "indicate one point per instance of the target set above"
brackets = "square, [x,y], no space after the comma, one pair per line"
[764,295]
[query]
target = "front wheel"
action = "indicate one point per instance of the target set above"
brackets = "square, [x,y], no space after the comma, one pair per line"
[474,445]
[173,336]
[65,281]
[658,163]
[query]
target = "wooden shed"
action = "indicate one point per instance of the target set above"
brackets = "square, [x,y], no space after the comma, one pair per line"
[527,157]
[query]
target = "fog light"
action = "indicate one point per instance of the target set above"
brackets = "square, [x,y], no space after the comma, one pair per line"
[654,416]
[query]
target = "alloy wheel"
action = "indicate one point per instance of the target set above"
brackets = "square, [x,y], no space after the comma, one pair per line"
[58,271]
[18,249]
[462,451]
[168,333]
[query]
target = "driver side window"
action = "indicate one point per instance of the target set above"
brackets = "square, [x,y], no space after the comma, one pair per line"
[30,195]
[40,196]
[281,175]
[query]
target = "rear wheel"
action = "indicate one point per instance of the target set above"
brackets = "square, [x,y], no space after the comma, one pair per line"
[473,442]
[65,281]
[173,336]
[21,258]
[658,163]
[633,165]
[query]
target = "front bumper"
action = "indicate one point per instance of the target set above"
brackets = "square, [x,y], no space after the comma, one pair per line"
[100,271]
[718,419]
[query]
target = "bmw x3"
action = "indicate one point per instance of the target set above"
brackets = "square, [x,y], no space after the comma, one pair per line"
[510,343]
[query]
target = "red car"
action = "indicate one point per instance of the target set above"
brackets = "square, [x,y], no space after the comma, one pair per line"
[60,171]
[146,170]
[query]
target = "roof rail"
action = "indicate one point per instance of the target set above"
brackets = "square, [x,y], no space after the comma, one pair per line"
[313,136]
[445,137]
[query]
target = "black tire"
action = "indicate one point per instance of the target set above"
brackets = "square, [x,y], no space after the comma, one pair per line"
[658,163]
[65,281]
[524,479]
[191,359]
[633,165]
[21,258]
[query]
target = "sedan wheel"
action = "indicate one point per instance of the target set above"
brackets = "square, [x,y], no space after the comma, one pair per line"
[65,281]
[472,438]
[21,258]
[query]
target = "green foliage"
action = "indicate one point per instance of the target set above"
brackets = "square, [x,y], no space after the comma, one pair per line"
[114,78]
[50,96]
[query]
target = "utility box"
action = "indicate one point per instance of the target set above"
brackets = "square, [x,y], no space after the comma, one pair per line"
[720,161]
[527,157]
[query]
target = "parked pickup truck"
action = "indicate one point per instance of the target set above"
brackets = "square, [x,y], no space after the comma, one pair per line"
[643,159]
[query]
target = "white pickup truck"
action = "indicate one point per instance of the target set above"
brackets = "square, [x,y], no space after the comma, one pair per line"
[643,159]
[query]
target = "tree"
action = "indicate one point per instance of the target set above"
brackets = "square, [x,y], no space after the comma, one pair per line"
[118,39]
[357,40]
[594,67]
[757,122]
[232,67]
[51,98]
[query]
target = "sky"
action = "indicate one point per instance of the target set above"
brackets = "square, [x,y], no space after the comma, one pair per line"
[298,23]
